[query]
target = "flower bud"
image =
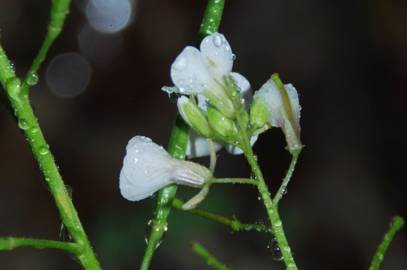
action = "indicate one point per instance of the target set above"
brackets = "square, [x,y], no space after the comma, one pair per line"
[191,113]
[222,125]
[259,113]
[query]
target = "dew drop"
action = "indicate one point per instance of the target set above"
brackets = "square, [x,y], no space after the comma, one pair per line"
[44,150]
[233,57]
[180,63]
[23,124]
[13,85]
[217,40]
[34,131]
[275,251]
[64,235]
[32,79]
[149,230]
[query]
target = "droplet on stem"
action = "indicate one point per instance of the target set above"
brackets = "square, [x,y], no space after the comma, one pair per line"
[275,250]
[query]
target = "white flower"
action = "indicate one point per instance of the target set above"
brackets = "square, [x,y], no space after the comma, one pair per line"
[283,109]
[197,145]
[203,71]
[147,167]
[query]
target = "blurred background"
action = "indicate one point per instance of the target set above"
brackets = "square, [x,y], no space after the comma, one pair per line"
[100,85]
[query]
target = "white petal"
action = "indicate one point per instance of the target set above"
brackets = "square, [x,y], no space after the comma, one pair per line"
[244,86]
[295,102]
[234,150]
[189,72]
[147,167]
[189,173]
[217,55]
[270,94]
[198,146]
[280,116]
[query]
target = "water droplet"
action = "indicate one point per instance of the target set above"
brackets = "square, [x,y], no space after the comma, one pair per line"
[135,160]
[233,56]
[44,150]
[275,251]
[149,230]
[259,198]
[217,40]
[12,65]
[13,85]
[284,191]
[180,63]
[64,235]
[32,79]
[23,124]
[34,131]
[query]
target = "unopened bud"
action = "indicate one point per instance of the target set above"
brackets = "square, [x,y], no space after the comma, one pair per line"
[222,125]
[194,117]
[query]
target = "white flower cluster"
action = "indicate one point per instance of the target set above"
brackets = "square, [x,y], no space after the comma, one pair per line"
[201,79]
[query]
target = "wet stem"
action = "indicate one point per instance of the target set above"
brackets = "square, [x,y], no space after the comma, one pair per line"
[271,207]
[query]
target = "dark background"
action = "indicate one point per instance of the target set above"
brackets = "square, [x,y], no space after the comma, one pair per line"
[348,59]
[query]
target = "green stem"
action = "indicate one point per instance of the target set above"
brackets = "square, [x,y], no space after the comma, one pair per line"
[233,223]
[271,208]
[209,258]
[283,188]
[29,125]
[177,146]
[59,11]
[10,243]
[396,224]
[246,181]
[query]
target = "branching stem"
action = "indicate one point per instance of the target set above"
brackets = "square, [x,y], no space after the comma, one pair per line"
[17,94]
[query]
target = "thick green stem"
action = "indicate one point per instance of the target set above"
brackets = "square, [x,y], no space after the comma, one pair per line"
[177,146]
[209,258]
[283,188]
[233,223]
[29,125]
[10,243]
[396,224]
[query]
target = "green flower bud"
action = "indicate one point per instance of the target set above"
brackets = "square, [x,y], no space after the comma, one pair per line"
[222,125]
[259,113]
[194,117]
[221,101]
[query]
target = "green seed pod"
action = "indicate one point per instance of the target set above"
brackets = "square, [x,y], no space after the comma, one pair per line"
[222,125]
[194,117]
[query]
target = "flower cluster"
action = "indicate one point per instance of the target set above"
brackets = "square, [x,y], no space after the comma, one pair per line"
[219,106]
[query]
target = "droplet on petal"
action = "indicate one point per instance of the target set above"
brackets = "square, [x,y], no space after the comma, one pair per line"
[180,63]
[217,40]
